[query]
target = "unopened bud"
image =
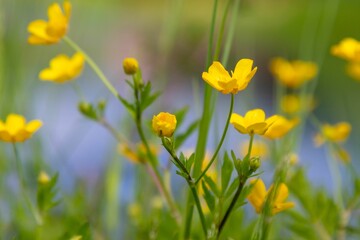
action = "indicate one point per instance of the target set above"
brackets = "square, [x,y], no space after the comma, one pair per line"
[255,163]
[130,65]
[43,178]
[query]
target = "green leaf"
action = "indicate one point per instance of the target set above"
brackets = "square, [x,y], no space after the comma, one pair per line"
[181,138]
[226,172]
[46,194]
[145,103]
[232,188]
[130,107]
[190,162]
[212,185]
[209,198]
[180,115]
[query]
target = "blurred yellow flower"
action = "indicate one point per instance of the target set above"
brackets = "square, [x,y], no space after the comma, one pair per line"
[63,68]
[342,154]
[130,65]
[220,79]
[136,156]
[334,133]
[164,124]
[292,74]
[353,70]
[253,122]
[348,49]
[15,128]
[259,149]
[43,178]
[281,127]
[258,195]
[292,104]
[50,32]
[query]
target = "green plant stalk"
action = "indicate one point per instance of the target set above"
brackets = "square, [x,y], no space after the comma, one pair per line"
[93,66]
[192,186]
[221,140]
[242,181]
[33,210]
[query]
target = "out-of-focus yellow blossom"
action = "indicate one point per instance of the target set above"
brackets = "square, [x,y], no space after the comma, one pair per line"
[136,156]
[353,70]
[77,237]
[292,74]
[211,172]
[43,178]
[15,128]
[131,66]
[334,133]
[293,159]
[220,79]
[134,210]
[157,202]
[164,124]
[281,127]
[292,104]
[342,154]
[258,195]
[259,149]
[63,68]
[253,122]
[50,32]
[348,49]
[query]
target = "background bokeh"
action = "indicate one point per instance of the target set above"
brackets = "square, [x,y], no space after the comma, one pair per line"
[169,38]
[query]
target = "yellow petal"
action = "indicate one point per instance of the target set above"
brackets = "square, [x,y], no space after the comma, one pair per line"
[218,70]
[211,80]
[282,193]
[254,116]
[243,69]
[67,9]
[257,194]
[282,206]
[14,123]
[33,126]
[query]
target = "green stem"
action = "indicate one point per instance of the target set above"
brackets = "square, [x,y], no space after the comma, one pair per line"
[242,182]
[221,140]
[33,210]
[191,184]
[93,65]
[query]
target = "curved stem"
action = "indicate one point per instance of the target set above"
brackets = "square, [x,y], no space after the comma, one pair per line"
[93,65]
[242,182]
[192,186]
[33,210]
[221,140]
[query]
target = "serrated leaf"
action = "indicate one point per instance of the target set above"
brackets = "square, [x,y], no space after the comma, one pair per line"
[181,138]
[209,198]
[212,185]
[226,172]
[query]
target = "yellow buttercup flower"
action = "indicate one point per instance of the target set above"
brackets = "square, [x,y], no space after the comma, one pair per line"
[334,133]
[292,74]
[49,32]
[253,122]
[353,70]
[292,104]
[63,68]
[164,124]
[220,79]
[130,65]
[348,49]
[281,127]
[258,195]
[15,128]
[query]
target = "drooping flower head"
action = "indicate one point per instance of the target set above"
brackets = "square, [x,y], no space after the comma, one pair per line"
[15,129]
[292,74]
[63,68]
[130,65]
[164,124]
[49,32]
[258,195]
[348,49]
[221,80]
[253,122]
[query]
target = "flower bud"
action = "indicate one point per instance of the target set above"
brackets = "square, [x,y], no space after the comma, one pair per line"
[164,124]
[43,178]
[87,110]
[130,65]
[254,164]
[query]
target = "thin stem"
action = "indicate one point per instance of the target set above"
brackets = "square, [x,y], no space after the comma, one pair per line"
[221,140]
[33,210]
[192,186]
[93,65]
[242,182]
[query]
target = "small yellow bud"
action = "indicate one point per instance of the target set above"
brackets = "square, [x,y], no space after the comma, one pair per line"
[130,65]
[164,124]
[77,237]
[43,178]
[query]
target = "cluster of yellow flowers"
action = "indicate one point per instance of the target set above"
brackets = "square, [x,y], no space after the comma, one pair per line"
[349,49]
